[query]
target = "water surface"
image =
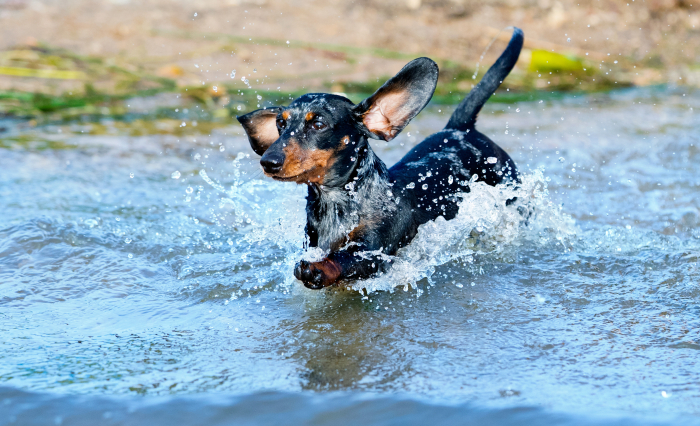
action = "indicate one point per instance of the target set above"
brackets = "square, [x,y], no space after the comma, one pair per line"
[139,258]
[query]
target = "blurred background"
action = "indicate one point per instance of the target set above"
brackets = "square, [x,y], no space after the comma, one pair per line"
[77,58]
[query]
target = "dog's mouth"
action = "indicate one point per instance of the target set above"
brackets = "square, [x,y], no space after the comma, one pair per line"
[306,176]
[300,178]
[284,178]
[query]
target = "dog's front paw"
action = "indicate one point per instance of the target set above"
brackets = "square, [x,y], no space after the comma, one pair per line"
[309,275]
[316,275]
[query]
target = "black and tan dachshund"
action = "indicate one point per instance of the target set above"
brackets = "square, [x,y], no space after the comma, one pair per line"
[357,210]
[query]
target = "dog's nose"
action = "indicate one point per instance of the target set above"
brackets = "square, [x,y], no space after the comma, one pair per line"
[272,162]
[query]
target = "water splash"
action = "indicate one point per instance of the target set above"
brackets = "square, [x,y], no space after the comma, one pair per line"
[484,225]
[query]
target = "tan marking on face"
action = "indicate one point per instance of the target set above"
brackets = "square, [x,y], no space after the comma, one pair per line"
[344,143]
[304,165]
[286,115]
[309,116]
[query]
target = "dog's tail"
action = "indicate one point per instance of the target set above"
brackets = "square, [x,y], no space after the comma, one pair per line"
[464,116]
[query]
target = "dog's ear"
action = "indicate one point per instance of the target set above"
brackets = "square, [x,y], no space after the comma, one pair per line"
[401,98]
[261,128]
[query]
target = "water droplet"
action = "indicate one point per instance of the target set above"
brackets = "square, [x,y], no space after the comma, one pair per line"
[568,40]
[189,190]
[259,98]
[216,89]
[425,186]
[175,175]
[130,256]
[459,285]
[493,160]
[562,159]
[127,240]
[233,74]
[239,108]
[131,175]
[450,179]
[222,149]
[195,14]
[411,185]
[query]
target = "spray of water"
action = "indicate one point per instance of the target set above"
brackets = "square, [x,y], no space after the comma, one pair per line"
[485,225]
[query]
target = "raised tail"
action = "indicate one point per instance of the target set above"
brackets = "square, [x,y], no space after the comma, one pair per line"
[464,116]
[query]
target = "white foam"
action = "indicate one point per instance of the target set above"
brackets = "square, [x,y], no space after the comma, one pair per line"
[484,224]
[273,214]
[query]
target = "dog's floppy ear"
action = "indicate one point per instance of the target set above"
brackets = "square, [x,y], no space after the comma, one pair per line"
[261,128]
[400,99]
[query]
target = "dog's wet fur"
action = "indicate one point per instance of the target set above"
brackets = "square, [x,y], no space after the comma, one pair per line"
[357,210]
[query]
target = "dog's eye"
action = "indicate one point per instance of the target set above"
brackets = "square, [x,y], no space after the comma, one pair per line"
[281,123]
[319,125]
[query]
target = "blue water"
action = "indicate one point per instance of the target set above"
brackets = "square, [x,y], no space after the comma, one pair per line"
[132,279]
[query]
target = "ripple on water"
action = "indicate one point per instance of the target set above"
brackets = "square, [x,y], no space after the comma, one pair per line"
[151,285]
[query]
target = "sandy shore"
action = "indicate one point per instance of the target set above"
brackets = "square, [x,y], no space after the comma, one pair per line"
[307,45]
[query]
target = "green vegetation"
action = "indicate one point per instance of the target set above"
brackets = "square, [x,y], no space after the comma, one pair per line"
[88,88]
[31,143]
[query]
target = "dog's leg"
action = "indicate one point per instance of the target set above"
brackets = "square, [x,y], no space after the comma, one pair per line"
[340,264]
[316,275]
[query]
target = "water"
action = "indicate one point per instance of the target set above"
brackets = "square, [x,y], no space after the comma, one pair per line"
[127,272]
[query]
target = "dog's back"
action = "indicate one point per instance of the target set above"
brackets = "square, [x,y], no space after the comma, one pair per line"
[445,162]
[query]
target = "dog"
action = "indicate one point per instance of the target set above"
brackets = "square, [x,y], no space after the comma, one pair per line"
[357,210]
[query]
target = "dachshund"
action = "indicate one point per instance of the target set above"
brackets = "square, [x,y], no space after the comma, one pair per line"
[358,211]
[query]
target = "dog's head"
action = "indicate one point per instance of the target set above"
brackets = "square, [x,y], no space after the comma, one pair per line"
[318,137]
